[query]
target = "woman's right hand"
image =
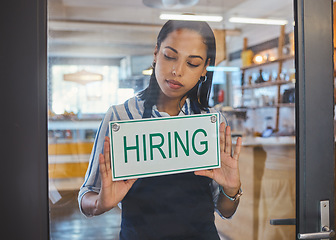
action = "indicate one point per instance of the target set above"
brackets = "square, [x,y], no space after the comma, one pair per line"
[111,192]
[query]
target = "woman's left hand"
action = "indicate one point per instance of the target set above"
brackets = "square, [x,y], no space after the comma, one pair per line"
[228,174]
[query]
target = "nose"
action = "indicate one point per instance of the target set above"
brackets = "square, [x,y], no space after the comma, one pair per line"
[177,70]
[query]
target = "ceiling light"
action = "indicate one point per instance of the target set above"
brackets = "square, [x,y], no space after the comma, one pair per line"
[191,17]
[258,21]
[222,69]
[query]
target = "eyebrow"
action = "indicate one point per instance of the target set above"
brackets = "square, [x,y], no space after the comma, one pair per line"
[191,56]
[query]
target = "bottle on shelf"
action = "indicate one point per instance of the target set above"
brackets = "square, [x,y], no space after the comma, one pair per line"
[242,79]
[260,78]
[250,80]
[268,129]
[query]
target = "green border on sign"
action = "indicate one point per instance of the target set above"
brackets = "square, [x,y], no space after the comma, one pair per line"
[162,119]
[169,171]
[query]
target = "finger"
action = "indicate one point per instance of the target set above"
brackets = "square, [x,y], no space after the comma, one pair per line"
[222,137]
[228,141]
[237,149]
[107,153]
[102,166]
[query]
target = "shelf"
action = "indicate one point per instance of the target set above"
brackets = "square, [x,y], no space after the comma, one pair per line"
[267,84]
[284,58]
[286,105]
[277,82]
[290,105]
[73,125]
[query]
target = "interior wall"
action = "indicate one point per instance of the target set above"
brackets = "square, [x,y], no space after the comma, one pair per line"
[255,34]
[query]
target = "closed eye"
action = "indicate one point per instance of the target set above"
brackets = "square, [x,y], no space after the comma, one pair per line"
[193,65]
[169,58]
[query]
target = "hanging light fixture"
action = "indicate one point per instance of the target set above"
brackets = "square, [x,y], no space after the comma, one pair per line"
[83,77]
[191,17]
[169,4]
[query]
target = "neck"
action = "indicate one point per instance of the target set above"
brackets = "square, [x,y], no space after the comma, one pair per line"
[169,105]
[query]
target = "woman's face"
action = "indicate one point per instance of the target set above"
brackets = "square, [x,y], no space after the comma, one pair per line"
[180,62]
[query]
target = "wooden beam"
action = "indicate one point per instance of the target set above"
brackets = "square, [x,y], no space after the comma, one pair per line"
[280,48]
[220,36]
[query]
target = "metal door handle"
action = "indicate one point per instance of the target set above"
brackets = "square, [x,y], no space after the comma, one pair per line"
[286,221]
[325,234]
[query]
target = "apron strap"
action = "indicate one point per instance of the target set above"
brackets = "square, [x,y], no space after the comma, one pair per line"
[147,112]
[194,107]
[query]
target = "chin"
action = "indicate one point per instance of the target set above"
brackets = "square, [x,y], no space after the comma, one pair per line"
[171,95]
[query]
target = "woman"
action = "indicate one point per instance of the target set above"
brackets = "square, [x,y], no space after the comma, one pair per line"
[177,206]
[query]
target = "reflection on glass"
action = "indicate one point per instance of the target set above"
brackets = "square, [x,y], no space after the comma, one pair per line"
[167,206]
[92,97]
[120,50]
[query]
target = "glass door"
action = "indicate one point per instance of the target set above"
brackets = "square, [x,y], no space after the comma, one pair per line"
[25,125]
[273,84]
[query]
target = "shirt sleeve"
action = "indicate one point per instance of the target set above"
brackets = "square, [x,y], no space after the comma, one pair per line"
[92,181]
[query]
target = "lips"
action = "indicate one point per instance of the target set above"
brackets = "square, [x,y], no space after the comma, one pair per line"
[174,84]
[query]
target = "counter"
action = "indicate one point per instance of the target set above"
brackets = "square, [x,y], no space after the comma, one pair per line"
[267,170]
[269,141]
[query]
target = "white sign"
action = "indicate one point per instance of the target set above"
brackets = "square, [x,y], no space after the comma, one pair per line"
[167,145]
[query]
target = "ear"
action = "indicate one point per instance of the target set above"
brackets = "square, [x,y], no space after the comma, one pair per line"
[205,67]
[155,52]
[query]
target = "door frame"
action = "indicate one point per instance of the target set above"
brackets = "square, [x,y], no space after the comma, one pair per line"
[24,156]
[314,103]
[25,211]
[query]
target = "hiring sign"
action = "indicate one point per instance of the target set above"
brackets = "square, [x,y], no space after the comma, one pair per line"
[167,145]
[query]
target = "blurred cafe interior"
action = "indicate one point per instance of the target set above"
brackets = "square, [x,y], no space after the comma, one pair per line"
[100,53]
